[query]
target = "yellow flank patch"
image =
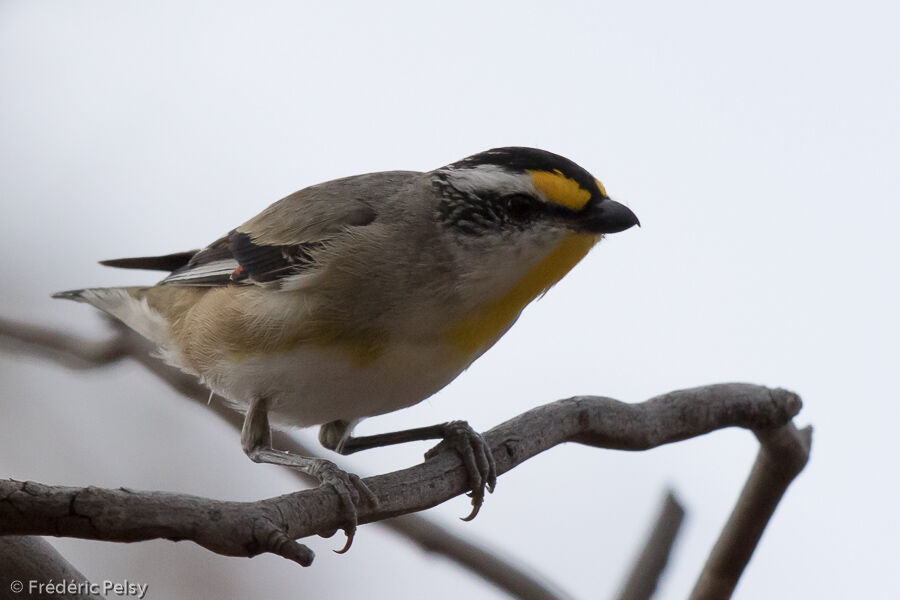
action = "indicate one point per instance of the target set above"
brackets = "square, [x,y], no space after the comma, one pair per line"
[363,347]
[475,334]
[208,324]
[560,189]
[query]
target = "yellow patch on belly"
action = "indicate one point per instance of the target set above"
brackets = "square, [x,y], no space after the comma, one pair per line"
[475,333]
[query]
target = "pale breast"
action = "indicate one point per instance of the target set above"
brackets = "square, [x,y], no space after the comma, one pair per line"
[311,385]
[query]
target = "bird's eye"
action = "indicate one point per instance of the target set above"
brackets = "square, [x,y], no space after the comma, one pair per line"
[520,207]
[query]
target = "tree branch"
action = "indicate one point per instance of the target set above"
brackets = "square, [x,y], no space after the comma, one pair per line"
[271,525]
[504,572]
[783,453]
[25,559]
[651,562]
[247,529]
[68,350]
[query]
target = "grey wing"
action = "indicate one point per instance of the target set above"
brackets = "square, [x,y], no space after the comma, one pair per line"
[281,242]
[279,246]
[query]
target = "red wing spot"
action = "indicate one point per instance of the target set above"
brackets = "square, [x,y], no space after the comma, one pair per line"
[239,270]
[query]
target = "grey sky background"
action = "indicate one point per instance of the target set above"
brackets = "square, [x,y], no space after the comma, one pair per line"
[758,143]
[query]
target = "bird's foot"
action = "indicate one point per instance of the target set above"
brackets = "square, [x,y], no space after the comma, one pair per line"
[477,457]
[350,489]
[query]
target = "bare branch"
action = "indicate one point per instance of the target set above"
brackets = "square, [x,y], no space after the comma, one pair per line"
[651,562]
[68,350]
[25,559]
[506,573]
[783,453]
[594,421]
[271,525]
[490,565]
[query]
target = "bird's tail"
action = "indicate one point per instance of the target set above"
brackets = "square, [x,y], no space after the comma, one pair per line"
[127,304]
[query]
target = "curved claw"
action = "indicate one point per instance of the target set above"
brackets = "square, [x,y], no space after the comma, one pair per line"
[477,458]
[361,486]
[476,507]
[350,535]
[349,488]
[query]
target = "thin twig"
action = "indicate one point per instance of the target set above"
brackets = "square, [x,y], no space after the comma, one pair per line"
[70,351]
[651,562]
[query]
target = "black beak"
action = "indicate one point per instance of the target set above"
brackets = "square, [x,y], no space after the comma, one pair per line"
[607,216]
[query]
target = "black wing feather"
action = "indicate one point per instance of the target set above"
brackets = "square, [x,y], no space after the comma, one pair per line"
[169,262]
[236,259]
[262,263]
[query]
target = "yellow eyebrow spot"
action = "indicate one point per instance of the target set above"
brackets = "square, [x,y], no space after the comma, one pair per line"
[602,189]
[560,189]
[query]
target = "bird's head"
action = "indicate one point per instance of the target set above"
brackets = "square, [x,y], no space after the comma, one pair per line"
[519,190]
[521,218]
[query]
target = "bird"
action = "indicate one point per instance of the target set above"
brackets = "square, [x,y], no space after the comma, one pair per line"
[365,295]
